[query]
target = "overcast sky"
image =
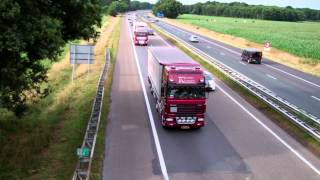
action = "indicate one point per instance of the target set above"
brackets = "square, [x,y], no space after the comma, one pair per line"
[313,4]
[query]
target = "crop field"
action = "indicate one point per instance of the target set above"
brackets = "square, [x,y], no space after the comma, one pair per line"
[298,38]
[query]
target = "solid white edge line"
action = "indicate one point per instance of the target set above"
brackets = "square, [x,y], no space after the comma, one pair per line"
[163,40]
[271,132]
[235,52]
[154,130]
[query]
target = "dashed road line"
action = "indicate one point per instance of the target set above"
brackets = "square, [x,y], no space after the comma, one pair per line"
[270,76]
[316,98]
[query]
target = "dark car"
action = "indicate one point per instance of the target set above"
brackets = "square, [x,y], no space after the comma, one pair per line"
[252,55]
[150,31]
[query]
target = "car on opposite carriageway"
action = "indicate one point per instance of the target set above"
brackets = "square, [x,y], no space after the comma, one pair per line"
[251,55]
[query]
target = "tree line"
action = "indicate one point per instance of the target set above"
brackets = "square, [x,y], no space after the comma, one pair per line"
[114,7]
[243,10]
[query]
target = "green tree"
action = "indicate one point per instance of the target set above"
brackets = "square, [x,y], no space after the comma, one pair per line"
[112,9]
[170,8]
[34,30]
[117,7]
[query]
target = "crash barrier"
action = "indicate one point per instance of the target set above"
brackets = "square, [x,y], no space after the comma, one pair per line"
[86,151]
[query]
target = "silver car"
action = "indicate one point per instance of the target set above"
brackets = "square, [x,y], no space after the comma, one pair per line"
[194,39]
[209,80]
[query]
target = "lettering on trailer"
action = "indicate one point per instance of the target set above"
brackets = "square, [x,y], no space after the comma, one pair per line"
[186,80]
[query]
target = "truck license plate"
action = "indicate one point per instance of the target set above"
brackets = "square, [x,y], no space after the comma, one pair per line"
[185,127]
[141,42]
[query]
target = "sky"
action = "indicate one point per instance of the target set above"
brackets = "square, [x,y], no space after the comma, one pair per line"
[313,4]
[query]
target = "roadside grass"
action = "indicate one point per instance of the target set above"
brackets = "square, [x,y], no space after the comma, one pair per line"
[97,162]
[42,144]
[298,38]
[291,128]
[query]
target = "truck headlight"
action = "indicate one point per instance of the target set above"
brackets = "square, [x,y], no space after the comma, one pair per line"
[169,119]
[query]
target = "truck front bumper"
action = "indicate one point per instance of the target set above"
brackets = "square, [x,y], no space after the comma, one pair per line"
[174,124]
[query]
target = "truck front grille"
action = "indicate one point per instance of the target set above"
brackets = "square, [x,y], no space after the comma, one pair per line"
[189,109]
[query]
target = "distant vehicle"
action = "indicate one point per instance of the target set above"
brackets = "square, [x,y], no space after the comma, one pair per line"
[157,20]
[209,80]
[194,39]
[177,84]
[251,55]
[150,31]
[152,21]
[131,23]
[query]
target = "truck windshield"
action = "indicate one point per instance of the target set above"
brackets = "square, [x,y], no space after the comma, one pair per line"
[141,33]
[186,92]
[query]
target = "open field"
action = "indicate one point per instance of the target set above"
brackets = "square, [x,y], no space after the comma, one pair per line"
[301,39]
[42,144]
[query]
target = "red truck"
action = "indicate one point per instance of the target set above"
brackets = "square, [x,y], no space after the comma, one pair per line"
[140,33]
[177,83]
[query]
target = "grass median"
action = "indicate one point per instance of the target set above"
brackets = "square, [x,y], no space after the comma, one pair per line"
[291,128]
[42,144]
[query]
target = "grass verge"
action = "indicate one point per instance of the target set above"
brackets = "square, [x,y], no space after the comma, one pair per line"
[42,144]
[291,128]
[97,162]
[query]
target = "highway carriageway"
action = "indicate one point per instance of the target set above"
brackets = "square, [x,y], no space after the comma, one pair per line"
[238,141]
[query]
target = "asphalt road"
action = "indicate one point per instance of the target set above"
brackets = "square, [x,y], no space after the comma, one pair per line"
[300,89]
[238,142]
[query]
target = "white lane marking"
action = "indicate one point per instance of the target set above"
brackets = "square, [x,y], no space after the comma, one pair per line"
[242,63]
[270,76]
[314,84]
[208,47]
[222,54]
[316,98]
[295,152]
[235,52]
[154,130]
[272,132]
[163,40]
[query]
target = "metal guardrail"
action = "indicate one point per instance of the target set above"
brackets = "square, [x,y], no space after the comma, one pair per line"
[276,102]
[84,164]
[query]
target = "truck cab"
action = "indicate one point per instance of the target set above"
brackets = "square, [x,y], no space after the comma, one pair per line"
[140,33]
[140,36]
[177,83]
